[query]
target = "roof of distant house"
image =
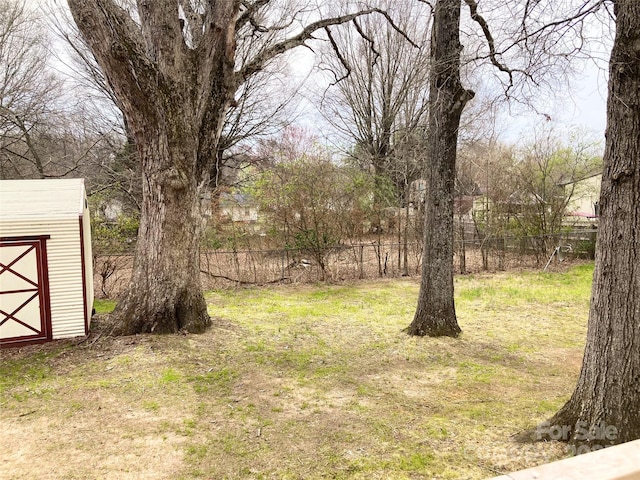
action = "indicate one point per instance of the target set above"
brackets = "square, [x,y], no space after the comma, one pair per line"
[236,200]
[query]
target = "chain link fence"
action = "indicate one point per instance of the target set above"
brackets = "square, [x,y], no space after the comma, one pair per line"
[377,259]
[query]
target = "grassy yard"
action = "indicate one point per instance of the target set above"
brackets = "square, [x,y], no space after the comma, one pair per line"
[305,383]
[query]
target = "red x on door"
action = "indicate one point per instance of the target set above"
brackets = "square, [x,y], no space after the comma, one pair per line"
[25,315]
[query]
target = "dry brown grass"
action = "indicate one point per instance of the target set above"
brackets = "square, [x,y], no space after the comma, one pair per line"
[304,382]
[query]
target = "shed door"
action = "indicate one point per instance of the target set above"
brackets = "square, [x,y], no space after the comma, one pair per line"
[25,316]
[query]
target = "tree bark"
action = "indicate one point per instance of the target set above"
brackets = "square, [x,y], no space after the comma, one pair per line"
[165,293]
[607,394]
[435,314]
[174,98]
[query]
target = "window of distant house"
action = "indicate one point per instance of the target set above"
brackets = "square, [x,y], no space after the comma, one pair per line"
[247,212]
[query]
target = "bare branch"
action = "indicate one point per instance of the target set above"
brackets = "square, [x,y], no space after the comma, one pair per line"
[341,59]
[115,40]
[258,62]
[368,39]
[479,19]
[579,16]
[248,15]
[426,2]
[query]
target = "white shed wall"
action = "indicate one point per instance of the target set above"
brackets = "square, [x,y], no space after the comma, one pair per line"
[88,260]
[65,269]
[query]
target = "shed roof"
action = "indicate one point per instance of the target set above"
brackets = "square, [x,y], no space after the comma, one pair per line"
[51,198]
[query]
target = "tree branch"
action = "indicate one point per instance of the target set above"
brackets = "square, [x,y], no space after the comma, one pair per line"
[565,21]
[372,44]
[162,31]
[115,40]
[426,2]
[260,60]
[479,19]
[528,40]
[336,50]
[247,16]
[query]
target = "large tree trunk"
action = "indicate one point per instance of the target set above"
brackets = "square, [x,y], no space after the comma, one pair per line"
[174,97]
[435,314]
[607,396]
[165,294]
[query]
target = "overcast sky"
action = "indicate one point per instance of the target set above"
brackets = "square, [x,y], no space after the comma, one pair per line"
[580,105]
[583,104]
[586,103]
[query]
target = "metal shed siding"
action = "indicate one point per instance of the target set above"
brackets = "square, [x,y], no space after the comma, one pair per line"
[56,208]
[85,224]
[41,200]
[65,270]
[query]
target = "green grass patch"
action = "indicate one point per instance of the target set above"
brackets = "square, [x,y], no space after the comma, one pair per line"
[310,382]
[170,375]
[104,305]
[214,381]
[20,372]
[415,462]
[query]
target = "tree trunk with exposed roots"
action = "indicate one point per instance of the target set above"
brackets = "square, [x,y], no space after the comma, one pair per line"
[174,97]
[165,294]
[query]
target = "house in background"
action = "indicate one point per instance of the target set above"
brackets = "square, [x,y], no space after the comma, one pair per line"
[239,208]
[583,208]
[417,193]
[464,224]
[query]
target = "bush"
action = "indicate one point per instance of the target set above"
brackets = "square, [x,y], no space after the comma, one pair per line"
[114,238]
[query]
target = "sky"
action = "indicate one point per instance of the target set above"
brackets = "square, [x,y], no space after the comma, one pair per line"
[581,105]
[587,105]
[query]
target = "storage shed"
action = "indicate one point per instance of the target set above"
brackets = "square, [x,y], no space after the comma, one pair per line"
[46,270]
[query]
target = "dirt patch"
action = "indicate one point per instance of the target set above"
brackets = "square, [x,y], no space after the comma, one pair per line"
[100,444]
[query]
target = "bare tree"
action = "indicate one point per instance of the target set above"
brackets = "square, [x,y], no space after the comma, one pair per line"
[28,91]
[435,314]
[174,68]
[43,131]
[603,407]
[262,105]
[377,99]
[379,89]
